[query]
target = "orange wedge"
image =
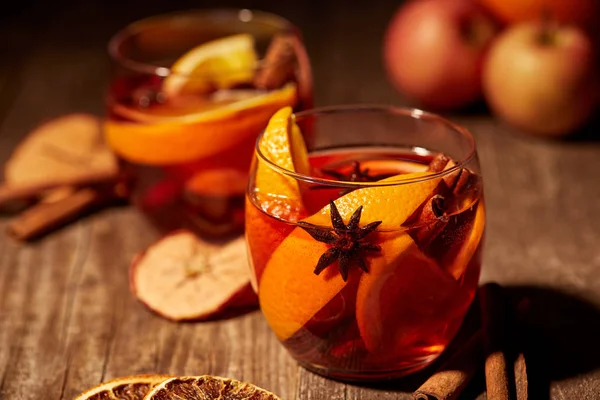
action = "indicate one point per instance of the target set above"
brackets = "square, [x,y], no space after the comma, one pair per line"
[404,295]
[390,204]
[275,193]
[282,144]
[290,294]
[197,135]
[220,63]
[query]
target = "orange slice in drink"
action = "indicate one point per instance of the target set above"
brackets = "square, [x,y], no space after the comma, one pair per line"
[405,298]
[197,135]
[279,195]
[290,294]
[406,294]
[220,63]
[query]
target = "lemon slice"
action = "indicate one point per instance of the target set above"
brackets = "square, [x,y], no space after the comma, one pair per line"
[222,63]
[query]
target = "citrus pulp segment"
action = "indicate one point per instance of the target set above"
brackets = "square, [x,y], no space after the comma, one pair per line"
[220,63]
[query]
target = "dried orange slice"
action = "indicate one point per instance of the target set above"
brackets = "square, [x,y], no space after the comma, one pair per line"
[282,143]
[184,278]
[290,294]
[207,387]
[220,63]
[197,135]
[125,388]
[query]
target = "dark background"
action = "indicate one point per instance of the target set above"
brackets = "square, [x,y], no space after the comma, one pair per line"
[67,320]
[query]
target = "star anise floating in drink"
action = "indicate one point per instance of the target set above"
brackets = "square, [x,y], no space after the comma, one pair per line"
[348,242]
[356,174]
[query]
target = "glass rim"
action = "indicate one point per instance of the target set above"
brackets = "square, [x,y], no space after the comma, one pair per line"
[137,26]
[414,113]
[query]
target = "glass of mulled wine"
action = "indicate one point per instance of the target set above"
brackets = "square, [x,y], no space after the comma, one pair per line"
[365,243]
[190,93]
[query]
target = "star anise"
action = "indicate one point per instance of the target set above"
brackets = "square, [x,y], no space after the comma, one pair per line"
[356,174]
[348,242]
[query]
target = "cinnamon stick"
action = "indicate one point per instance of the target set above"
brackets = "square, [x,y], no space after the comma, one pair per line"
[10,193]
[430,220]
[278,64]
[44,217]
[520,364]
[493,318]
[451,379]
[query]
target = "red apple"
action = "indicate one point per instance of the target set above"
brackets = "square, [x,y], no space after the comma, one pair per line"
[542,79]
[581,12]
[433,51]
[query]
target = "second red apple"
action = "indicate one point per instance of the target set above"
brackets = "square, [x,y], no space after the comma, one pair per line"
[433,51]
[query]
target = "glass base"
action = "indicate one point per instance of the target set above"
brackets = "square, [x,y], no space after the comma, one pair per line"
[399,371]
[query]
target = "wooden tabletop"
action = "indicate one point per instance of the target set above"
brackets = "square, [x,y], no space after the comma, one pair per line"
[68,320]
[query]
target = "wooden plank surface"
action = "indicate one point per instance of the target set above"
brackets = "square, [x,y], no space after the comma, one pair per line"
[68,321]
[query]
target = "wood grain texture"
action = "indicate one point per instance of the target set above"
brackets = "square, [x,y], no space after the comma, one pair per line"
[68,321]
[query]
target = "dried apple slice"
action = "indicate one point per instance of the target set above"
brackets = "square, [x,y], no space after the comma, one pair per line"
[125,388]
[207,387]
[184,278]
[64,148]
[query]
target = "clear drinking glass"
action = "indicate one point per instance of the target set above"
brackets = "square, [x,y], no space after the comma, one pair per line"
[190,93]
[370,272]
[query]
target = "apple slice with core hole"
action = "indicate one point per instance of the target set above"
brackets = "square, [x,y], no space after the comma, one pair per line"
[184,278]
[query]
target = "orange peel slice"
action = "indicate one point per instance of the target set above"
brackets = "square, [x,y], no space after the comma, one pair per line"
[280,195]
[198,135]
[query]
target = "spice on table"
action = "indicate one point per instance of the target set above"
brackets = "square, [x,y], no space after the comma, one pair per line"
[494,325]
[48,215]
[520,364]
[454,375]
[66,168]
[41,190]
